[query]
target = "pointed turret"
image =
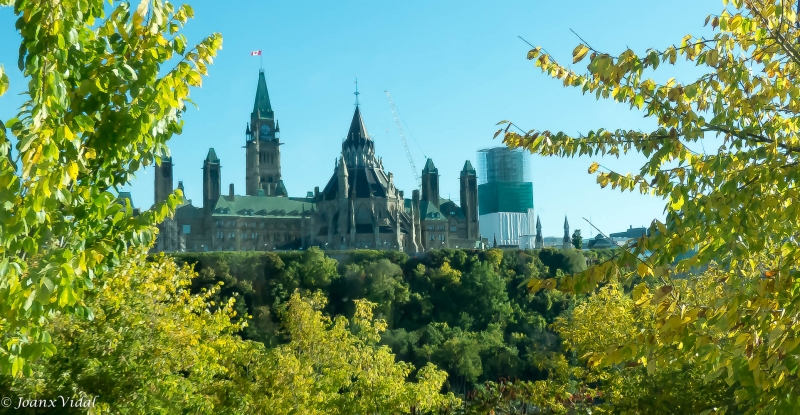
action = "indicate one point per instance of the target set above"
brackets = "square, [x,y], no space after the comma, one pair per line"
[358,148]
[341,174]
[429,167]
[539,241]
[211,181]
[468,169]
[262,107]
[566,242]
[430,183]
[468,190]
[358,131]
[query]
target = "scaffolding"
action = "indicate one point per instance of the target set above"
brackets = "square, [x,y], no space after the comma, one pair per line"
[505,197]
[503,165]
[504,181]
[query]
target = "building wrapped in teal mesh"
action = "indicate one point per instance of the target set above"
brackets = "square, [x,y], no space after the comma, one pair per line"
[505,197]
[504,183]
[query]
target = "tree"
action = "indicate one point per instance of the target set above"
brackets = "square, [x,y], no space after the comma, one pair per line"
[99,106]
[154,347]
[737,205]
[577,239]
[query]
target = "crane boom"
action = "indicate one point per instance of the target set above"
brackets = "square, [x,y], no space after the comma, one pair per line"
[403,137]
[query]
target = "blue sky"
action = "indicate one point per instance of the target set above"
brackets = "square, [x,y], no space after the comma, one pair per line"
[454,70]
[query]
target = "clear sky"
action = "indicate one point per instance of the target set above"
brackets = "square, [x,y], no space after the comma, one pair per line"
[454,69]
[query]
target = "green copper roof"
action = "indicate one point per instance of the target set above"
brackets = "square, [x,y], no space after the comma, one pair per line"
[428,167]
[468,169]
[262,108]
[262,206]
[212,155]
[428,211]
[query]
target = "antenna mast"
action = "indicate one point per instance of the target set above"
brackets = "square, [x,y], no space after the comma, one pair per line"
[403,137]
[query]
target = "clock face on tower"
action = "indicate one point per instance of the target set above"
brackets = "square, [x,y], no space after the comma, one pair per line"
[264,129]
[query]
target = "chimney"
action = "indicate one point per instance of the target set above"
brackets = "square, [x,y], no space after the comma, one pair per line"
[230,191]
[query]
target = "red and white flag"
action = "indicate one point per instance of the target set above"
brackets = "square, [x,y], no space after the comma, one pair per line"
[255,53]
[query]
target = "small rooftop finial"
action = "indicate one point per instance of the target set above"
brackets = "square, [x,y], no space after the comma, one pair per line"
[356,93]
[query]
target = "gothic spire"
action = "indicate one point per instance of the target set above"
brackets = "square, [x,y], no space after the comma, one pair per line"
[468,169]
[212,156]
[429,167]
[566,242]
[262,107]
[538,240]
[358,132]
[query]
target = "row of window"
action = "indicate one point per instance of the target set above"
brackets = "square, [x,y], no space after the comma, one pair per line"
[262,225]
[252,235]
[434,237]
[453,228]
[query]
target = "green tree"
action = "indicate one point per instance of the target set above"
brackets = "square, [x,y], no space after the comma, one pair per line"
[152,347]
[156,348]
[577,239]
[733,209]
[100,104]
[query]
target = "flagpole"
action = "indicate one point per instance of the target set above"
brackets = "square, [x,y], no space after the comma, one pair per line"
[261,60]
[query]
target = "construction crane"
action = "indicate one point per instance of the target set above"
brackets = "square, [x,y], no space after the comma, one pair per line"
[403,137]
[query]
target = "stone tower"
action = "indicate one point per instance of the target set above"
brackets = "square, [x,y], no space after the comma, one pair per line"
[262,144]
[566,242]
[212,186]
[430,183]
[469,199]
[539,241]
[163,180]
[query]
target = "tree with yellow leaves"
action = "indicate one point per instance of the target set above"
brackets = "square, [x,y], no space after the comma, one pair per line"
[154,347]
[735,209]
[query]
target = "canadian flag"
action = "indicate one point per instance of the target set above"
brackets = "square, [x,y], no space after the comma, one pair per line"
[255,53]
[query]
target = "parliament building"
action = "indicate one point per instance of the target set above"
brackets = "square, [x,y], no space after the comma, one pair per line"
[359,207]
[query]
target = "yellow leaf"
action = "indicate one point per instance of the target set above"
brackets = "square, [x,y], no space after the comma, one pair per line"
[677,203]
[579,53]
[593,168]
[639,291]
[661,293]
[712,57]
[72,170]
[642,269]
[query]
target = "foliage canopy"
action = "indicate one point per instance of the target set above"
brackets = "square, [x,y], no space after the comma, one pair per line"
[733,210]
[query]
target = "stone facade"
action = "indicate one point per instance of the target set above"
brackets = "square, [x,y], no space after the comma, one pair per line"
[360,207]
